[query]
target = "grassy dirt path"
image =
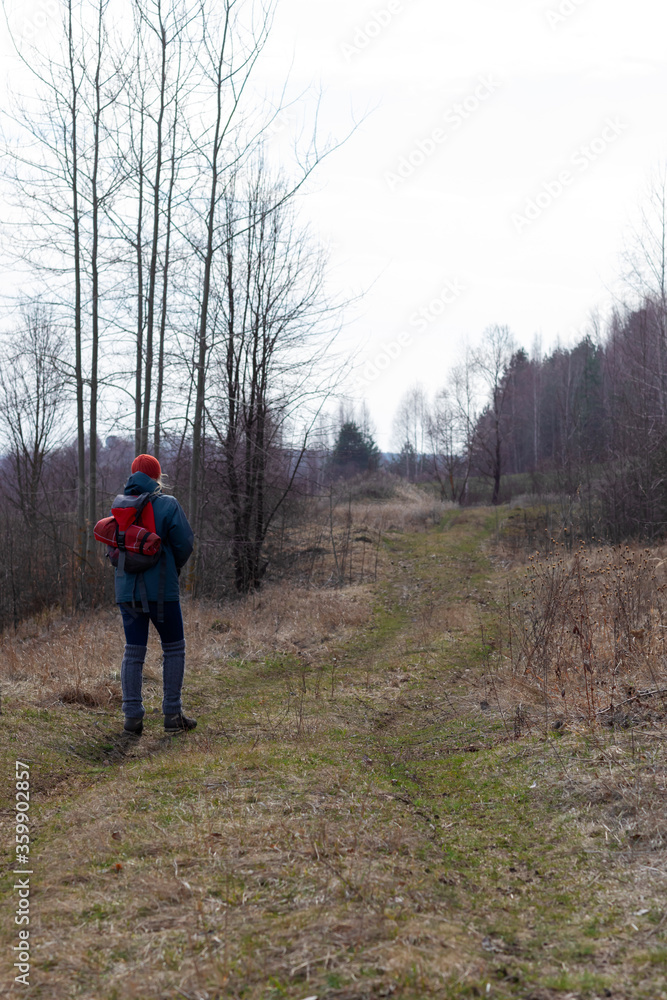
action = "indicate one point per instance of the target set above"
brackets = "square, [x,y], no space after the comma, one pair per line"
[373,814]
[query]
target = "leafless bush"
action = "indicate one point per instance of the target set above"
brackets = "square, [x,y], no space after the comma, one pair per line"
[590,630]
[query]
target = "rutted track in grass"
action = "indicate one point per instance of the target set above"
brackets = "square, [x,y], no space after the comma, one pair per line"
[349,824]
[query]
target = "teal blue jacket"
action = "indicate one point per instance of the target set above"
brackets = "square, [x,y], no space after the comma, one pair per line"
[172,526]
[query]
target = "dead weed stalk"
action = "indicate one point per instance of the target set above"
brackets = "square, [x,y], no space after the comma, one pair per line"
[590,629]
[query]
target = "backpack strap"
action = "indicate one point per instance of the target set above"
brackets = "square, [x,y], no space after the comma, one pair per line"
[161,588]
[143,500]
[143,593]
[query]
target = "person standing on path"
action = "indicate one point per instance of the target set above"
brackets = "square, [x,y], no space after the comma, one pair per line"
[162,597]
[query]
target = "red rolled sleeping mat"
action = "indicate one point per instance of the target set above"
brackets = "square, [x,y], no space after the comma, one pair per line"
[137,539]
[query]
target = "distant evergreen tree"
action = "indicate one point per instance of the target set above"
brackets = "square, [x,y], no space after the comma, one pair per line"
[355,451]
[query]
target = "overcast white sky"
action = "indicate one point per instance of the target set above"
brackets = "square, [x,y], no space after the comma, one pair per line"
[545,86]
[473,110]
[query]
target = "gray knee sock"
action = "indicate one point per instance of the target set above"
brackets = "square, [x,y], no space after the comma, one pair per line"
[131,675]
[173,668]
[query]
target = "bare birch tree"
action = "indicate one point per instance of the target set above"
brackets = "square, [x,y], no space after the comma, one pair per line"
[32,403]
[272,362]
[411,427]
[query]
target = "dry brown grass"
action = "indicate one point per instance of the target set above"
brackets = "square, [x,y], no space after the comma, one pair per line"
[77,660]
[340,542]
[627,778]
[589,632]
[409,509]
[283,619]
[256,877]
[52,656]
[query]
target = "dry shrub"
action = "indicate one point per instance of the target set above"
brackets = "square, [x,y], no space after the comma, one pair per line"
[77,661]
[98,696]
[281,618]
[337,539]
[64,658]
[591,629]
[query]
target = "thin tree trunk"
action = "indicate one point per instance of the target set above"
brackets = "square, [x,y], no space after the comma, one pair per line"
[78,361]
[197,423]
[92,445]
[157,431]
[153,265]
[497,469]
[140,294]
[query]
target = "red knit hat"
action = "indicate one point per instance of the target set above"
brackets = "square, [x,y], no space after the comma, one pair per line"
[147,464]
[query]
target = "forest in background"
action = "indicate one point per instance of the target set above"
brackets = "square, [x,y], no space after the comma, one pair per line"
[585,422]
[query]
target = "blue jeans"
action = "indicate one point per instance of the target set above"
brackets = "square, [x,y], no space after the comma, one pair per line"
[136,623]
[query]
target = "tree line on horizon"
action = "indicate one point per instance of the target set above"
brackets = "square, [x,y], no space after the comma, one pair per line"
[587,421]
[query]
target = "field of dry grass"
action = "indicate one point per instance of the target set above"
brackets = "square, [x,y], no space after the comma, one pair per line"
[588,631]
[384,796]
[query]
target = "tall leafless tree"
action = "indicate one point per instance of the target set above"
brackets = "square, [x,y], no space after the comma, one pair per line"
[272,364]
[411,427]
[32,403]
